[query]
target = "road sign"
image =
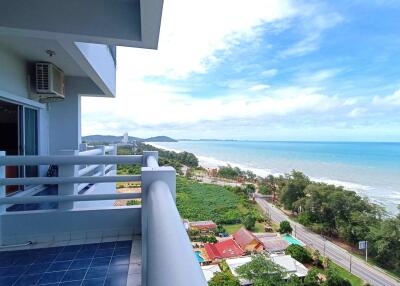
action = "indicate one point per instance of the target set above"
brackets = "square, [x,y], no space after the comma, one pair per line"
[362,244]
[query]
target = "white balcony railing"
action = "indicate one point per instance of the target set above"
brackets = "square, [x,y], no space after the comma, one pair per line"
[163,234]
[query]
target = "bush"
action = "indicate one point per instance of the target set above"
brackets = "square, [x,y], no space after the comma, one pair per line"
[133,203]
[333,279]
[285,227]
[299,253]
[249,221]
[223,279]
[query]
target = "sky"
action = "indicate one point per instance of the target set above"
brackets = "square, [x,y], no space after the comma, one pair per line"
[260,70]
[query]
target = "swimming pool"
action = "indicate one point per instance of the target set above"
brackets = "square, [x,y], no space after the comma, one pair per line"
[199,257]
[291,240]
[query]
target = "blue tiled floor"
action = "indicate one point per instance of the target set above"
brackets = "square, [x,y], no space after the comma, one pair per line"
[104,264]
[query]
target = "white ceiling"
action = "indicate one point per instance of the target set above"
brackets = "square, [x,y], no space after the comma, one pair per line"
[34,50]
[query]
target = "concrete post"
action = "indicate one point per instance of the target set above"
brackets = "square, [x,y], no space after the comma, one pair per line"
[114,153]
[83,147]
[2,187]
[147,154]
[67,189]
[102,167]
[151,175]
[2,195]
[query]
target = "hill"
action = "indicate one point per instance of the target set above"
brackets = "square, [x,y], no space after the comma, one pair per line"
[116,139]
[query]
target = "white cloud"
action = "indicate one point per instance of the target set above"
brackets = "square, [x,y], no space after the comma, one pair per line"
[318,76]
[158,105]
[388,101]
[259,87]
[193,31]
[315,23]
[269,73]
[357,112]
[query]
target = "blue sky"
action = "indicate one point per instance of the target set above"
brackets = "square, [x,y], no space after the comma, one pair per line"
[262,70]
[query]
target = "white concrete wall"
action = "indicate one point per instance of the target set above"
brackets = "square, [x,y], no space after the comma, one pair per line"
[65,120]
[59,225]
[13,73]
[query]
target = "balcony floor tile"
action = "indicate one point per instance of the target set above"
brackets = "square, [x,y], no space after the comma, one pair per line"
[93,264]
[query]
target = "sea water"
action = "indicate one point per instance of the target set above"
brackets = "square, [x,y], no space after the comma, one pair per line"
[370,169]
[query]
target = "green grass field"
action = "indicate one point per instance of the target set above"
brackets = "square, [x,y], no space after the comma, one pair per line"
[232,228]
[197,201]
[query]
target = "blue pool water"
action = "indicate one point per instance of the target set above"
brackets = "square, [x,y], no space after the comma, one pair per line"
[370,169]
[199,257]
[89,264]
[291,240]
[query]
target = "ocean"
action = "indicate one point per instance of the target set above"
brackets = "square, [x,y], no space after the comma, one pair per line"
[370,169]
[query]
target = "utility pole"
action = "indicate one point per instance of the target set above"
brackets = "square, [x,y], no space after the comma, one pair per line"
[351,256]
[366,251]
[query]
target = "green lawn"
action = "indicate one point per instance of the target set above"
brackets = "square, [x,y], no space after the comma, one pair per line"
[232,228]
[197,201]
[354,280]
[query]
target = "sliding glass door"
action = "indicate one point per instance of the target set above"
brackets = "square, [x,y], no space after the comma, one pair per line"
[30,138]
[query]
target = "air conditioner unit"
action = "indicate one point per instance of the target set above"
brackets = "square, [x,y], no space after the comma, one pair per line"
[49,82]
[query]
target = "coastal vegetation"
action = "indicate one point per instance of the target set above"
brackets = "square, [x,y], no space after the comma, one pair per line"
[338,213]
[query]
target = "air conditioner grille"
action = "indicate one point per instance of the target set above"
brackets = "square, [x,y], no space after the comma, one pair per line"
[42,76]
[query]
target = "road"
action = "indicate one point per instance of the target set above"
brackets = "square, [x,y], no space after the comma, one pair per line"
[340,256]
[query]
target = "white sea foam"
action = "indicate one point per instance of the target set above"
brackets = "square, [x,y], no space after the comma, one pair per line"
[363,190]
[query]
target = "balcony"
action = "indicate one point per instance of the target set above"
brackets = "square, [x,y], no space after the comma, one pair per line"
[83,216]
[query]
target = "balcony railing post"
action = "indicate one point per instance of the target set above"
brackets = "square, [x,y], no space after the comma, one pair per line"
[149,176]
[2,187]
[150,159]
[103,167]
[114,153]
[67,189]
[2,195]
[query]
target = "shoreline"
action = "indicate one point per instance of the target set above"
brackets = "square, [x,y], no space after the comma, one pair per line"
[212,163]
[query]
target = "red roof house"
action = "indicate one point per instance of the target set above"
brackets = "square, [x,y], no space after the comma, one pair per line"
[224,249]
[247,241]
[206,225]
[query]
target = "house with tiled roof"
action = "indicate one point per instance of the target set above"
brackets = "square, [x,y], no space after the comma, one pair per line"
[247,240]
[222,250]
[203,226]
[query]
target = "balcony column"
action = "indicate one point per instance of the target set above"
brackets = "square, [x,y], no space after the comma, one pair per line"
[149,176]
[2,195]
[102,167]
[115,153]
[67,189]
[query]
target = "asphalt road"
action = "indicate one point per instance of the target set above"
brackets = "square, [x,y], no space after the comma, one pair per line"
[340,256]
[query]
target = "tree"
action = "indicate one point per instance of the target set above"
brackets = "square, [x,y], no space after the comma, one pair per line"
[249,221]
[334,279]
[311,278]
[299,253]
[223,279]
[262,271]
[285,227]
[249,189]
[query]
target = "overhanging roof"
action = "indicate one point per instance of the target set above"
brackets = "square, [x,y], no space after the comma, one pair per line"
[131,23]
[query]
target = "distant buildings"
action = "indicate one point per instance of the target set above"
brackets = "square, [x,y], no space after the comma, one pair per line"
[125,139]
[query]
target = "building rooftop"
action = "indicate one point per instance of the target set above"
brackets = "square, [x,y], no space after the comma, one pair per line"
[210,270]
[224,249]
[243,237]
[209,224]
[274,244]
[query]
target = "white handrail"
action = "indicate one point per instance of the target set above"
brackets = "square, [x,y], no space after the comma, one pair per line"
[72,198]
[68,180]
[69,160]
